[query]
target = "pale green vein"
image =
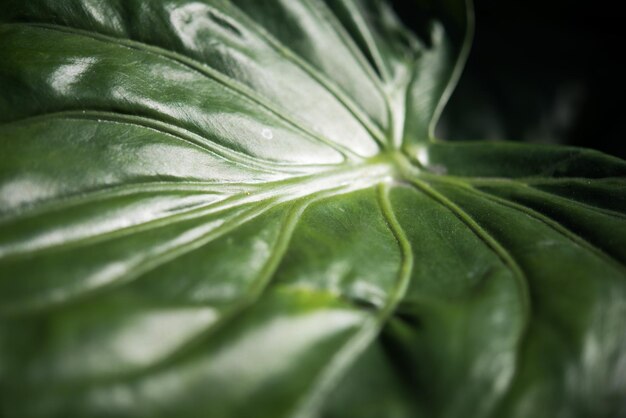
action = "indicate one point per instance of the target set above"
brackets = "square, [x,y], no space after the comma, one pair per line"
[213,191]
[356,53]
[566,232]
[258,287]
[13,251]
[349,43]
[181,134]
[457,70]
[491,242]
[342,180]
[541,181]
[243,91]
[55,299]
[532,183]
[526,180]
[336,368]
[317,75]
[570,201]
[259,202]
[399,98]
[368,38]
[507,259]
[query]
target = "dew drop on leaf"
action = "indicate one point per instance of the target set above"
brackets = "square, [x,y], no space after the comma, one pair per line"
[267,133]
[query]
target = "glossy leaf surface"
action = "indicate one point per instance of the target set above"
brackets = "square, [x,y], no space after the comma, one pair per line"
[237,208]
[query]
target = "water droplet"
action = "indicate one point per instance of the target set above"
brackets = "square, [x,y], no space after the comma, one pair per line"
[267,133]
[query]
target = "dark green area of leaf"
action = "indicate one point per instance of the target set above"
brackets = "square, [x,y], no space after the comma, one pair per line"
[238,209]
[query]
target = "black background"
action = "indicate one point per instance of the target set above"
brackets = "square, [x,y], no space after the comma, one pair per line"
[540,71]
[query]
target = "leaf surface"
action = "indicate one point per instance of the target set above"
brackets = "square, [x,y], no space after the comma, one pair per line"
[238,208]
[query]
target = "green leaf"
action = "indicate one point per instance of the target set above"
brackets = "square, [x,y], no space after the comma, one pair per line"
[238,209]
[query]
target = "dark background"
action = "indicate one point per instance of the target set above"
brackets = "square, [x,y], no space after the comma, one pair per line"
[541,71]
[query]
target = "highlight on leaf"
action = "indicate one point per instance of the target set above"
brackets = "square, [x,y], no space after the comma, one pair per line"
[239,208]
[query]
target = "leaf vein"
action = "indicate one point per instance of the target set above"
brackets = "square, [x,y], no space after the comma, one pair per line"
[202,69]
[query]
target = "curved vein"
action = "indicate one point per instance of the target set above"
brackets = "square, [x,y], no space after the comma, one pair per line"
[180,133]
[258,288]
[336,181]
[262,200]
[113,192]
[186,215]
[456,71]
[481,233]
[37,305]
[231,84]
[350,44]
[368,38]
[564,231]
[309,405]
[317,75]
[570,201]
[499,250]
[532,183]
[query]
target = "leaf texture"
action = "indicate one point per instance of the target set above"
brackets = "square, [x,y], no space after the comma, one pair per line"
[238,208]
